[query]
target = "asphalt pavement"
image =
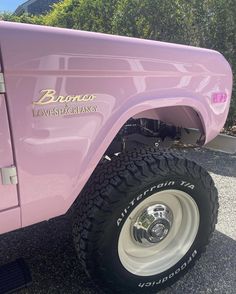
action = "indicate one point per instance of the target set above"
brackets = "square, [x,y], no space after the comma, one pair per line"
[48,247]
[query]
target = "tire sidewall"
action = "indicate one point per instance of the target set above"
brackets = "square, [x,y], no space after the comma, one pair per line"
[108,255]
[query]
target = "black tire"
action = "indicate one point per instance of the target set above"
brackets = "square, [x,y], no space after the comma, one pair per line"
[105,202]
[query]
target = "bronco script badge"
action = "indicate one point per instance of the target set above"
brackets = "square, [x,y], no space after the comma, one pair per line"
[71,104]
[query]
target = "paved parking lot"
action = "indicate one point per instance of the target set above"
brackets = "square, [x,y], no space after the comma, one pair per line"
[48,247]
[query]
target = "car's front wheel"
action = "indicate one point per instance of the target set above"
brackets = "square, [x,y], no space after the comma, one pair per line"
[143,220]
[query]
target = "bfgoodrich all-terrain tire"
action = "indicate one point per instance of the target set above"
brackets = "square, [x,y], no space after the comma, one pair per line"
[143,220]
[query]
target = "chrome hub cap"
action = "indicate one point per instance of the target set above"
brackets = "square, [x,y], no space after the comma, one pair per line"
[158,232]
[152,225]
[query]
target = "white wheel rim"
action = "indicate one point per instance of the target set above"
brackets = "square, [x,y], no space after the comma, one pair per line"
[157,258]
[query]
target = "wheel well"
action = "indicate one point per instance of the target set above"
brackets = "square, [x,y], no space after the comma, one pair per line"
[179,116]
[166,127]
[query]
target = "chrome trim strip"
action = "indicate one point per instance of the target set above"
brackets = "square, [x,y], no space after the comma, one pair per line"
[2,84]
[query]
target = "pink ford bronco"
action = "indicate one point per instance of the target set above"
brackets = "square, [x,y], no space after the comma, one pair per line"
[87,122]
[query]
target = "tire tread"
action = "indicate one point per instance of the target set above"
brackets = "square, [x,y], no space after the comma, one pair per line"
[128,169]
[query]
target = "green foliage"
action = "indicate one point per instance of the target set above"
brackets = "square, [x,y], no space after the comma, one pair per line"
[156,19]
[62,14]
[95,15]
[24,18]
[205,23]
[90,15]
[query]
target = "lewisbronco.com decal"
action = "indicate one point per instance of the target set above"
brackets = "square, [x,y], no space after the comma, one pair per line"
[49,97]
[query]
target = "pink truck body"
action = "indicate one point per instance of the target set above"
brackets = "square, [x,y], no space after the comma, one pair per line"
[68,93]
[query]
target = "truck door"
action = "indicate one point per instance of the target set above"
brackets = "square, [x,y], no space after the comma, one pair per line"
[8,178]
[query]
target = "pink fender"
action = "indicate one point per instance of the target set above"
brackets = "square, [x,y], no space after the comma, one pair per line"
[57,151]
